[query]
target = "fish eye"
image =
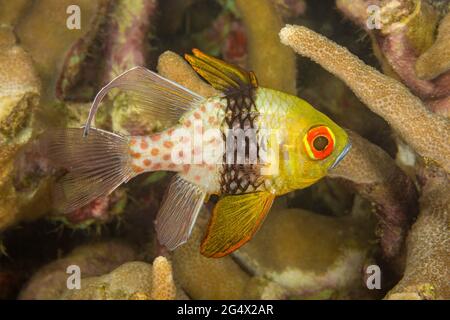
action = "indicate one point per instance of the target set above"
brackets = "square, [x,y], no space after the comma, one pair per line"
[319,142]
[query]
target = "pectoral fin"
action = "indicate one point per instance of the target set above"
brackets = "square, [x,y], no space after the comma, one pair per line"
[234,221]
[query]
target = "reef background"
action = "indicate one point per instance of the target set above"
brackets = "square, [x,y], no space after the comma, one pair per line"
[316,243]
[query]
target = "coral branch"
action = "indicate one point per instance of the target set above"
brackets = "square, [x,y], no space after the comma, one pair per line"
[172,66]
[427,133]
[427,270]
[274,65]
[163,286]
[374,174]
[127,36]
[436,60]
[403,42]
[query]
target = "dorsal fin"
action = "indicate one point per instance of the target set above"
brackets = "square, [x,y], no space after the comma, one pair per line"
[155,96]
[221,75]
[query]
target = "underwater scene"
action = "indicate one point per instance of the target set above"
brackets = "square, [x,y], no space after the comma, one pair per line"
[224,150]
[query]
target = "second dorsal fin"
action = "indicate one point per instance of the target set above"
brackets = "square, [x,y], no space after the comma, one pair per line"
[221,75]
[153,95]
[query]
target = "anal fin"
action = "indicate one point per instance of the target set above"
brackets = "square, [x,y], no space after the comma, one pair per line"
[234,221]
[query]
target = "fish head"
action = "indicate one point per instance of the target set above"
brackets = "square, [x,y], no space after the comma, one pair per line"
[311,145]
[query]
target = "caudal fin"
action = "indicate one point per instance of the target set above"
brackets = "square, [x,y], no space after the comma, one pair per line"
[96,165]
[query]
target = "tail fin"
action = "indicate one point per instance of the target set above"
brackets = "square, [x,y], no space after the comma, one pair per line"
[96,164]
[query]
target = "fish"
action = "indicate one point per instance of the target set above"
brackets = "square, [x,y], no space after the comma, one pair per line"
[247,145]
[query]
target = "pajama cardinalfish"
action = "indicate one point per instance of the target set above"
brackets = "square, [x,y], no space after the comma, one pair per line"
[261,144]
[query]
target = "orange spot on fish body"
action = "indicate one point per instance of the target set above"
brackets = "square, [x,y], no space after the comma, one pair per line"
[171,166]
[197,150]
[168,144]
[197,115]
[144,145]
[157,166]
[137,169]
[133,141]
[166,157]
[197,178]
[186,168]
[211,120]
[135,155]
[155,152]
[203,108]
[147,163]
[170,131]
[187,123]
[155,137]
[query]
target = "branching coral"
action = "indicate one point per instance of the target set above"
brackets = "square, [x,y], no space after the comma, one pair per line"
[163,286]
[427,133]
[171,66]
[403,42]
[266,55]
[376,177]
[436,60]
[128,26]
[427,271]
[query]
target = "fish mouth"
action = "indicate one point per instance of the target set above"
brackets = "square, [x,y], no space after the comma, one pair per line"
[342,155]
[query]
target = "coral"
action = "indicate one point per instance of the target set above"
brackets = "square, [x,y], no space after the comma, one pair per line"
[274,64]
[14,12]
[375,176]
[78,58]
[93,260]
[308,254]
[405,34]
[130,281]
[19,97]
[45,36]
[426,132]
[134,280]
[128,27]
[172,66]
[436,60]
[126,46]
[163,286]
[426,273]
[205,278]
[428,255]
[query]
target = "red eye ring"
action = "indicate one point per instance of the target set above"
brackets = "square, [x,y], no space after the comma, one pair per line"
[326,143]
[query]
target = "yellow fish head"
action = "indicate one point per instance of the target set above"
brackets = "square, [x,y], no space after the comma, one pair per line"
[311,144]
